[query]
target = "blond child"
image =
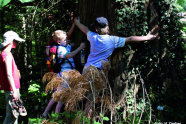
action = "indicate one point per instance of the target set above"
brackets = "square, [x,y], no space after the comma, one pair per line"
[64,60]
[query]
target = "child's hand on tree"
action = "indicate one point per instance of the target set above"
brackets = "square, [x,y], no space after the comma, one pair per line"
[153,34]
[150,36]
[76,20]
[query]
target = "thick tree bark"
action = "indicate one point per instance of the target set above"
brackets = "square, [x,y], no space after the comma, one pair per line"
[119,70]
[88,11]
[153,19]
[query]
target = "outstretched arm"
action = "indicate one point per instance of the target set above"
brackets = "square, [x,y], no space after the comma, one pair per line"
[70,31]
[73,53]
[140,38]
[82,27]
[148,37]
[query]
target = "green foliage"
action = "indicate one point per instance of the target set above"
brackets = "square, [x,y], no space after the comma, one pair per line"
[153,59]
[34,88]
[35,99]
[104,118]
[62,118]
[4,3]
[35,22]
[183,29]
[132,18]
[25,1]
[181,5]
[2,99]
[35,120]
[130,101]
[68,117]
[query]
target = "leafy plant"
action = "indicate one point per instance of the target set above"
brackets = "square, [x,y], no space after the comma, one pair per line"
[25,1]
[5,2]
[181,5]
[104,118]
[151,58]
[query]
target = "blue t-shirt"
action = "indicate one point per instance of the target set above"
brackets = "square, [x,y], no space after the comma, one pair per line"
[101,47]
[62,52]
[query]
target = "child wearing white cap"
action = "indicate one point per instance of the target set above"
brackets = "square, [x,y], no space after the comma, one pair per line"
[9,73]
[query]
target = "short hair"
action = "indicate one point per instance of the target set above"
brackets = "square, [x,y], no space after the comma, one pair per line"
[59,34]
[102,31]
[100,26]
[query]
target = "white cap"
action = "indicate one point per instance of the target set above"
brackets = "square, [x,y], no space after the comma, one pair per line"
[9,37]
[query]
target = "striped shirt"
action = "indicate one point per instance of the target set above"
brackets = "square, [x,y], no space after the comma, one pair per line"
[62,52]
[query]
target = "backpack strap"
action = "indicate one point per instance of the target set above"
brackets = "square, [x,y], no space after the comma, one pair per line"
[63,60]
[56,57]
[70,63]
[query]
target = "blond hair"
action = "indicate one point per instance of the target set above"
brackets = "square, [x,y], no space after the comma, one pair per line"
[59,34]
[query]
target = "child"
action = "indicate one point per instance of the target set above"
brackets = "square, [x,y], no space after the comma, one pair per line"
[51,49]
[102,44]
[9,73]
[64,60]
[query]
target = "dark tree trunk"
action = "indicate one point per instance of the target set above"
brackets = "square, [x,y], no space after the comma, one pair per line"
[88,11]
[2,22]
[119,70]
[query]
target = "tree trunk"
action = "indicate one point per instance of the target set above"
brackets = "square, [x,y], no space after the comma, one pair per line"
[89,10]
[2,22]
[119,70]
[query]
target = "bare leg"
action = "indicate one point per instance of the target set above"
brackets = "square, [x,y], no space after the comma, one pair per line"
[58,107]
[49,106]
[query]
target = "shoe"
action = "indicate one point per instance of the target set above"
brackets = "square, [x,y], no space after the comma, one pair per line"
[22,110]
[17,107]
[13,106]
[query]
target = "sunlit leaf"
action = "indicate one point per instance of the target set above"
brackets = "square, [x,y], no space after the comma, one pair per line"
[4,3]
[2,91]
[25,1]
[101,114]
[97,122]
[105,118]
[118,107]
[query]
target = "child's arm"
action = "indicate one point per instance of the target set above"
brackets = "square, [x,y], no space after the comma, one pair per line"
[140,38]
[82,27]
[70,31]
[73,53]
